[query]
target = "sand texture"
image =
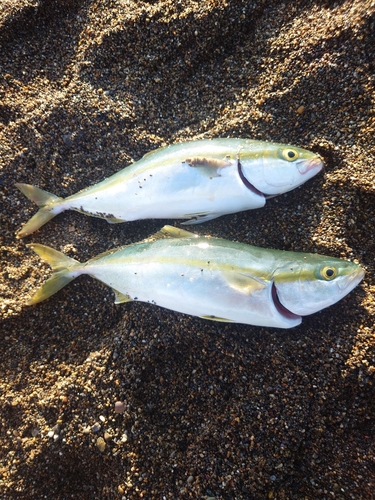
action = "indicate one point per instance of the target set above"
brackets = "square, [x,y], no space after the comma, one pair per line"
[209,410]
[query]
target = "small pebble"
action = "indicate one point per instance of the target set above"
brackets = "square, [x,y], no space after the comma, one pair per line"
[124,437]
[101,444]
[119,407]
[96,427]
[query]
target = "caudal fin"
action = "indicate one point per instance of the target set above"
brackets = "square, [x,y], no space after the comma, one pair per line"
[46,201]
[64,271]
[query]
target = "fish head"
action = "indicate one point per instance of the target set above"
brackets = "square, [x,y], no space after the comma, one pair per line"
[313,282]
[278,168]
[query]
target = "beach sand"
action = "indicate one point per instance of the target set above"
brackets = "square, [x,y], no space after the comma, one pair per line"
[210,410]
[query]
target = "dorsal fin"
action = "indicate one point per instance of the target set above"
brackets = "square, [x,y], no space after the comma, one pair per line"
[172,232]
[107,252]
[165,232]
[153,151]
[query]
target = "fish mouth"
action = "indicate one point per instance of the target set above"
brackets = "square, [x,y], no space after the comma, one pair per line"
[306,166]
[248,184]
[282,310]
[352,281]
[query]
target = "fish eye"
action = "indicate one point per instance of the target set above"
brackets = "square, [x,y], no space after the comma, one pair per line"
[289,154]
[328,273]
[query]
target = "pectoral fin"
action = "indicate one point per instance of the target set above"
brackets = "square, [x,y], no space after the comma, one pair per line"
[243,283]
[208,166]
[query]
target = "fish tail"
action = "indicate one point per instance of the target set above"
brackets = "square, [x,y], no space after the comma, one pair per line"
[65,269]
[45,201]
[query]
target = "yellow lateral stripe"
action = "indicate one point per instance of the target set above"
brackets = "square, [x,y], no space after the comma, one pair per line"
[260,274]
[301,274]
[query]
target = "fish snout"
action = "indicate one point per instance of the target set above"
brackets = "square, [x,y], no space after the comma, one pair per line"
[312,166]
[351,280]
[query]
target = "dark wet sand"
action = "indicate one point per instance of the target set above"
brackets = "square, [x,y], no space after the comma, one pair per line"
[211,410]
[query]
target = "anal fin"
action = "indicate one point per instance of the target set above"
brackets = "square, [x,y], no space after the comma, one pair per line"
[121,297]
[217,318]
[114,220]
[199,218]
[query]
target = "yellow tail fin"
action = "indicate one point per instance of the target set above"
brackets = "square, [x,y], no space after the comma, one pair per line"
[64,267]
[46,201]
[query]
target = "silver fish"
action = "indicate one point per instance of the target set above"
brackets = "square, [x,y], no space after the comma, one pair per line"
[198,180]
[212,278]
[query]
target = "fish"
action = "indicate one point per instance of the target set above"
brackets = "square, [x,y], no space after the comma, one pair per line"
[211,278]
[196,180]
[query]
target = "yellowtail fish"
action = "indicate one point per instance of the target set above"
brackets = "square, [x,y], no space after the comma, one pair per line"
[198,180]
[211,278]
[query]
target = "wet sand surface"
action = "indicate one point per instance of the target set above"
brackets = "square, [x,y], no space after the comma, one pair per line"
[209,410]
